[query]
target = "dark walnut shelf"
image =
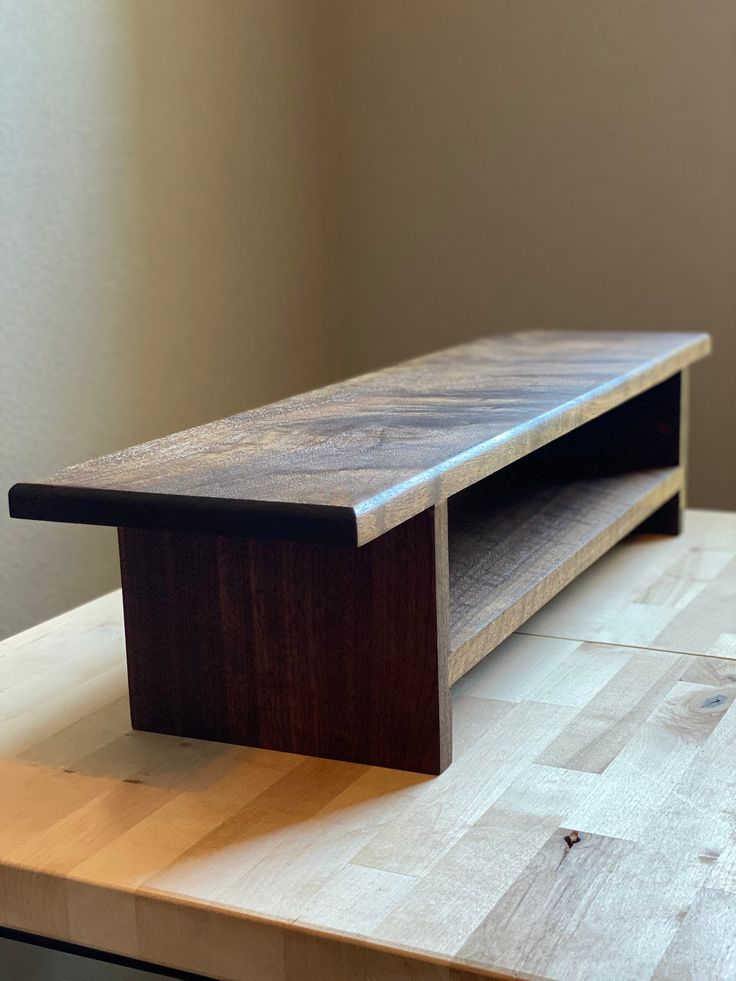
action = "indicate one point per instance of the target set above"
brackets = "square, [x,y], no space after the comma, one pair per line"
[512,552]
[313,575]
[347,463]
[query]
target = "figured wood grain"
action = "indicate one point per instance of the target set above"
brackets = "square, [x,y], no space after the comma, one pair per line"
[520,535]
[516,544]
[348,462]
[251,865]
[330,651]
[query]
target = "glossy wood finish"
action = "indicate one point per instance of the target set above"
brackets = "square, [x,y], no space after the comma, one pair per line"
[250,865]
[348,462]
[336,652]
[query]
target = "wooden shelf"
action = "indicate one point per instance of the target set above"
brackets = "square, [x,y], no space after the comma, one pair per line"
[347,463]
[513,545]
[311,576]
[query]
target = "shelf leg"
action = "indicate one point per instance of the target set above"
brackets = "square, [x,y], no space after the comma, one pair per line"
[671,420]
[666,520]
[317,650]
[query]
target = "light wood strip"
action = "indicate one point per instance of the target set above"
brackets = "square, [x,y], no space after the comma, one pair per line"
[602,728]
[676,594]
[429,828]
[705,945]
[567,913]
[652,762]
[450,901]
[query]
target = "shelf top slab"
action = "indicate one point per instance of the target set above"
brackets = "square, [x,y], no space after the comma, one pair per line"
[345,463]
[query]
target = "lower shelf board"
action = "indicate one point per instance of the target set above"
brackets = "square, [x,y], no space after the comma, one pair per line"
[514,543]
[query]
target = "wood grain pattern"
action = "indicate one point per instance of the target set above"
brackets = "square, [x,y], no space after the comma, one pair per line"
[348,462]
[329,651]
[652,593]
[252,865]
[516,545]
[241,627]
[522,534]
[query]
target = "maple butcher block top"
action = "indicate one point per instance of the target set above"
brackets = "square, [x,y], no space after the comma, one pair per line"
[348,462]
[610,714]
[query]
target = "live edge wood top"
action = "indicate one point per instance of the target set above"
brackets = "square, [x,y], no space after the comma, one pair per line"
[347,462]
[611,716]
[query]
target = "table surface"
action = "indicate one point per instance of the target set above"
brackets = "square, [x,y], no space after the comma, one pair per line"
[610,714]
[352,460]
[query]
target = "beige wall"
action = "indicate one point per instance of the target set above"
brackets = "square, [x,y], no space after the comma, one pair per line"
[162,195]
[207,204]
[509,164]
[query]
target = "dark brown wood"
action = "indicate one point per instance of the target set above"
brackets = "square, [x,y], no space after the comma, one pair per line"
[174,512]
[522,534]
[289,577]
[641,434]
[670,435]
[348,462]
[327,651]
[517,539]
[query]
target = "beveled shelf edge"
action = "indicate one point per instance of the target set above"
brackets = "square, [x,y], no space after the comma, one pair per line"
[316,523]
[362,521]
[473,649]
[375,516]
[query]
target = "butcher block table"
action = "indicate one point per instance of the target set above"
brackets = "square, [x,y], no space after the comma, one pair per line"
[586,828]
